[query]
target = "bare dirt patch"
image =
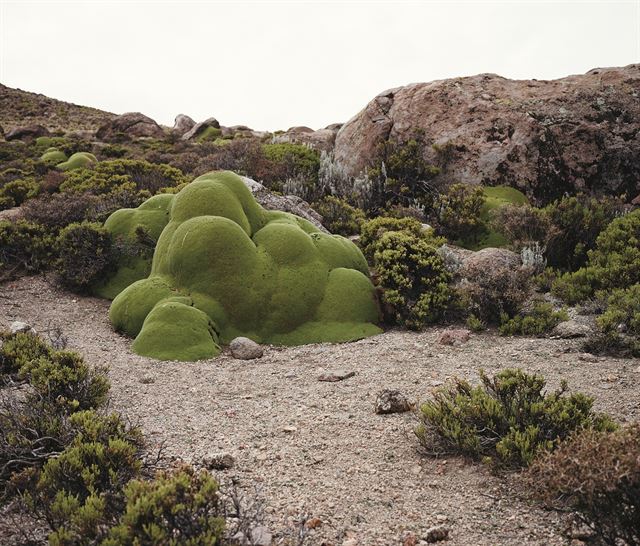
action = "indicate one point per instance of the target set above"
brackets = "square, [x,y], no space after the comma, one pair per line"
[317,448]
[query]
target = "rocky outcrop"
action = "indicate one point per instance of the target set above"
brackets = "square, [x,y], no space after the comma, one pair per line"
[544,137]
[183,124]
[29,132]
[322,139]
[127,126]
[200,128]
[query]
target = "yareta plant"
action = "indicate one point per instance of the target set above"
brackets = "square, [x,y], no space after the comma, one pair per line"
[225,267]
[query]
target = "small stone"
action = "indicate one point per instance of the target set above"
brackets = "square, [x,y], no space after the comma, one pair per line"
[587,357]
[218,461]
[571,329]
[243,348]
[441,518]
[454,336]
[337,375]
[391,401]
[261,536]
[290,429]
[313,523]
[409,539]
[18,327]
[147,380]
[350,542]
[437,533]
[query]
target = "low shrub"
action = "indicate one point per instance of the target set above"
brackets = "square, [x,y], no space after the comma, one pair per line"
[134,175]
[178,507]
[458,213]
[508,419]
[17,351]
[596,474]
[613,263]
[522,225]
[535,322]
[16,192]
[59,210]
[413,278]
[24,247]
[475,324]
[339,216]
[85,253]
[372,230]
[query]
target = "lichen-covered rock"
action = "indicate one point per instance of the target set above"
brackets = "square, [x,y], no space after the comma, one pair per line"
[29,132]
[126,126]
[227,268]
[182,124]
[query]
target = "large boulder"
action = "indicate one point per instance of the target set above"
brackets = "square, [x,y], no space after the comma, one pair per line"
[322,139]
[225,267]
[203,130]
[127,126]
[548,137]
[183,124]
[30,132]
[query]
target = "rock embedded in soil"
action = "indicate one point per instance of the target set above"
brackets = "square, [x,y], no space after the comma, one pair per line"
[218,461]
[18,327]
[392,401]
[437,533]
[338,375]
[454,336]
[243,348]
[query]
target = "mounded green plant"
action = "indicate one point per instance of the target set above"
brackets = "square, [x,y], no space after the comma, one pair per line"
[227,267]
[508,419]
[79,160]
[413,278]
[177,507]
[53,156]
[16,192]
[539,320]
[597,475]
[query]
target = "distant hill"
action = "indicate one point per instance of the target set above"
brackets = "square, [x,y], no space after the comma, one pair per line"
[19,108]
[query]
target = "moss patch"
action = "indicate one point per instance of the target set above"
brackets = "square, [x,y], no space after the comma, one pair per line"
[269,276]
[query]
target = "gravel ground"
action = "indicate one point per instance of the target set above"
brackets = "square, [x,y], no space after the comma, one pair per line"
[304,447]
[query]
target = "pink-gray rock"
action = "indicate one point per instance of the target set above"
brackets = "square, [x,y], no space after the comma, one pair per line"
[321,140]
[392,401]
[127,126]
[199,128]
[454,336]
[183,124]
[30,132]
[548,137]
[488,259]
[243,348]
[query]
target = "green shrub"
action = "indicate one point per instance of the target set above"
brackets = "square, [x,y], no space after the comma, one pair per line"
[24,247]
[619,325]
[179,507]
[539,320]
[293,165]
[597,475]
[338,216]
[613,263]
[458,213]
[85,254]
[372,230]
[64,377]
[508,419]
[522,225]
[475,324]
[120,174]
[17,351]
[413,278]
[81,490]
[18,191]
[576,223]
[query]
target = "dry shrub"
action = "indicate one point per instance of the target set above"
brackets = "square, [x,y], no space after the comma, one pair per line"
[597,474]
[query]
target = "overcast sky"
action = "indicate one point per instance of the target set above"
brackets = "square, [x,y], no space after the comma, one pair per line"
[271,65]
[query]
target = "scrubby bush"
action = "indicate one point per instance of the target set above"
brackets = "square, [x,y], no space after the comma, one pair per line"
[413,278]
[16,192]
[613,263]
[523,225]
[490,292]
[596,474]
[539,320]
[458,213]
[178,507]
[59,210]
[576,223]
[19,350]
[619,325]
[119,174]
[85,253]
[290,168]
[508,419]
[338,216]
[372,230]
[24,247]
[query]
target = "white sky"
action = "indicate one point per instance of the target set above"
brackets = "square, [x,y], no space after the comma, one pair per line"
[271,65]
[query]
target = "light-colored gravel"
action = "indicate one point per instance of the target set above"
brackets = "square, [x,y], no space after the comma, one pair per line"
[318,448]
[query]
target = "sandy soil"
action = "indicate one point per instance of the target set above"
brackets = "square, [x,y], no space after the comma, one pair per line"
[317,448]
